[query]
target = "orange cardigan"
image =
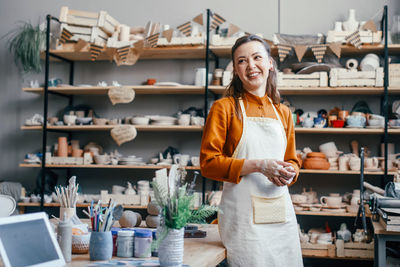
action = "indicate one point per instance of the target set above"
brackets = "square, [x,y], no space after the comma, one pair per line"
[223,130]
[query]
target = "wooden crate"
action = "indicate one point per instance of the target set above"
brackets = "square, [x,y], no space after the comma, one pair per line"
[217,40]
[316,79]
[394,74]
[318,250]
[354,250]
[89,19]
[343,77]
[51,160]
[89,34]
[365,36]
[180,41]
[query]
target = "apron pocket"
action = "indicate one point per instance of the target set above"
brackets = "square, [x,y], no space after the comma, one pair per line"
[268,210]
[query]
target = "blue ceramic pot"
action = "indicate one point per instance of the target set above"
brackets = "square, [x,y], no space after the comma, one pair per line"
[100,246]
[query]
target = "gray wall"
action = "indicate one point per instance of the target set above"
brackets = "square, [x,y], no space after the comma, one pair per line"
[296,17]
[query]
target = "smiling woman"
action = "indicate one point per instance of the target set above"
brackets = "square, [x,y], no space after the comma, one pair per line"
[249,144]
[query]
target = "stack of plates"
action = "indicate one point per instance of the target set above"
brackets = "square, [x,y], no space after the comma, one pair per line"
[162,120]
[131,160]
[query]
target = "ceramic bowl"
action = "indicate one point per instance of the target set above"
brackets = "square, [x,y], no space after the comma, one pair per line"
[298,198]
[140,121]
[316,155]
[83,120]
[376,122]
[69,119]
[316,164]
[337,123]
[99,121]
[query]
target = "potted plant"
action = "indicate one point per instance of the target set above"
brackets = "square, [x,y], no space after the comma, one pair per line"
[26,43]
[176,201]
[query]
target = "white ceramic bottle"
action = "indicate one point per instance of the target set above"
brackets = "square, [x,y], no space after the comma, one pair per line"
[351,24]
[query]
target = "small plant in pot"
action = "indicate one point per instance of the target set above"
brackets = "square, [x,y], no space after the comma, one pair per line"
[176,200]
[25,43]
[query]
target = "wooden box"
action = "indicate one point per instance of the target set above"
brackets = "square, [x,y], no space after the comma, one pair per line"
[316,79]
[343,77]
[354,250]
[318,250]
[394,75]
[179,41]
[120,198]
[89,19]
[365,36]
[89,34]
[85,160]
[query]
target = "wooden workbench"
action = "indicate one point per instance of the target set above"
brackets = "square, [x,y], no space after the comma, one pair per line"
[381,237]
[198,252]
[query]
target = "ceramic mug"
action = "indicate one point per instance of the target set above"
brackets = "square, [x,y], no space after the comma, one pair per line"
[195,161]
[371,163]
[333,201]
[355,163]
[184,119]
[319,122]
[343,114]
[53,82]
[181,159]
[343,163]
[357,121]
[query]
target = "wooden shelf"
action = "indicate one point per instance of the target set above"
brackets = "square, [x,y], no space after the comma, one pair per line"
[144,128]
[318,91]
[300,130]
[139,89]
[78,205]
[311,171]
[178,52]
[327,213]
[225,51]
[98,166]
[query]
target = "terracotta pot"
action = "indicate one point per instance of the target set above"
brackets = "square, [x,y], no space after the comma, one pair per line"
[62,147]
[316,164]
[316,155]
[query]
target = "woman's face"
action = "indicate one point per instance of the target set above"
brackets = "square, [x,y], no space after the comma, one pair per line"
[252,65]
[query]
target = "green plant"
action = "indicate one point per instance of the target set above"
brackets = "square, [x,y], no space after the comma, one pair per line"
[26,43]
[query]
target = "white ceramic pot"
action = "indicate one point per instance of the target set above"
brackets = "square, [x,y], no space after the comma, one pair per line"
[369,63]
[170,252]
[351,24]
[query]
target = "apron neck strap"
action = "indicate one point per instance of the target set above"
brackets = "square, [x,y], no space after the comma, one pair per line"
[242,108]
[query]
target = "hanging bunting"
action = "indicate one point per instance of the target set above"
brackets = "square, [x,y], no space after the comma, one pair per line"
[319,52]
[336,48]
[283,51]
[232,29]
[139,45]
[95,51]
[216,20]
[122,52]
[300,51]
[354,39]
[369,25]
[66,35]
[80,45]
[186,28]
[152,40]
[199,19]
[168,34]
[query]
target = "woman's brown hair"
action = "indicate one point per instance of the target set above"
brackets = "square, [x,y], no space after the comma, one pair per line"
[235,88]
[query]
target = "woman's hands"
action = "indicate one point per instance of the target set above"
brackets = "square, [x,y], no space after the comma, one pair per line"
[278,172]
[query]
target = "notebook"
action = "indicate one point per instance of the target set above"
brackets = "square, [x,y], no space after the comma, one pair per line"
[29,240]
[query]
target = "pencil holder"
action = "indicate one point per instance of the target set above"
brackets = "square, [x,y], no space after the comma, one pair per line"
[100,246]
[69,212]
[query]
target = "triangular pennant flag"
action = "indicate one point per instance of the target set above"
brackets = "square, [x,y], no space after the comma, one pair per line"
[80,45]
[152,40]
[232,29]
[319,52]
[369,25]
[216,20]
[354,39]
[336,48]
[186,28]
[199,19]
[300,51]
[66,35]
[168,34]
[283,51]
[122,52]
[139,45]
[95,51]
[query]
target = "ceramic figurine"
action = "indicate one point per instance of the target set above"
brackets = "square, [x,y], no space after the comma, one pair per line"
[344,233]
[129,190]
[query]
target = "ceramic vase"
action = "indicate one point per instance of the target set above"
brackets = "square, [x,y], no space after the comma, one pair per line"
[351,24]
[100,246]
[170,251]
[62,147]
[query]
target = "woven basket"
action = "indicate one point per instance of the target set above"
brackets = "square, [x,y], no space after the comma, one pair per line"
[80,244]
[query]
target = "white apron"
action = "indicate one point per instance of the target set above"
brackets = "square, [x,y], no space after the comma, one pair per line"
[248,242]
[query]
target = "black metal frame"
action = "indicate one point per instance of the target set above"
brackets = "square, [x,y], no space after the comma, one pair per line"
[49,18]
[385,95]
